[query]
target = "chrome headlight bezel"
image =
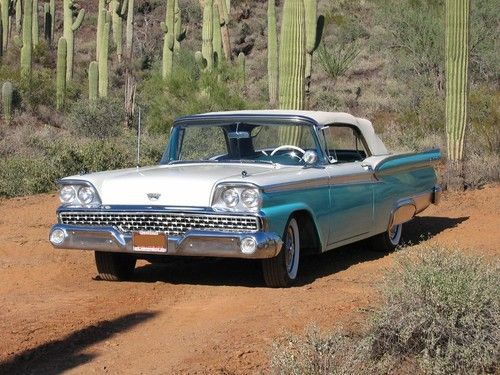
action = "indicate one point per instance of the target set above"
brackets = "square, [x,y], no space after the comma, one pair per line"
[219,203]
[80,190]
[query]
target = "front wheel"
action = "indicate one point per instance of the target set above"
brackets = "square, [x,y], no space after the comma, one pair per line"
[388,241]
[114,266]
[281,271]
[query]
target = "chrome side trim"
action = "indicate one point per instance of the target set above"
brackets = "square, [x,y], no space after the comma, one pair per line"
[298,185]
[405,209]
[194,243]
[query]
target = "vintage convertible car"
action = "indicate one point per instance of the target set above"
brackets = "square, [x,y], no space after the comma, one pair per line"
[269,185]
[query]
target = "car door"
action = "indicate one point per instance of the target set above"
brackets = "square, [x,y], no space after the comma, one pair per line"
[351,184]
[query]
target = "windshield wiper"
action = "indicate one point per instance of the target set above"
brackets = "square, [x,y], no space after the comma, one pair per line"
[172,162]
[253,161]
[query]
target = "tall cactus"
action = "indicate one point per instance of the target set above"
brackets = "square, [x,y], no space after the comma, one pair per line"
[7,92]
[272,52]
[314,33]
[104,55]
[34,26]
[70,25]
[292,56]
[93,81]
[457,62]
[62,52]
[115,9]
[100,24]
[217,35]
[1,33]
[129,29]
[27,49]
[19,16]
[168,39]
[224,12]
[179,31]
[5,10]
[207,48]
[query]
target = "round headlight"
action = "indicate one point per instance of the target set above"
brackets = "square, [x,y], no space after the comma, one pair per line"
[250,197]
[67,194]
[85,195]
[230,197]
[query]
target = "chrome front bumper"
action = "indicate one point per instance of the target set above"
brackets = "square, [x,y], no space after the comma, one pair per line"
[193,243]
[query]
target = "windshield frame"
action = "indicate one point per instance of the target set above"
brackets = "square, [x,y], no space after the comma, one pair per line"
[171,152]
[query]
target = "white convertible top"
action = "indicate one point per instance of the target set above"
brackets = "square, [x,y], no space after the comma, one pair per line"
[324,118]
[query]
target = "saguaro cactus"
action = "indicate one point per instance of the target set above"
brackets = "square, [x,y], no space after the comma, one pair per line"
[7,92]
[168,39]
[272,52]
[217,37]
[207,48]
[129,29]
[115,9]
[100,24]
[314,32]
[34,26]
[457,63]
[224,12]
[70,25]
[62,51]
[93,81]
[179,32]
[19,15]
[292,56]
[47,24]
[104,55]
[27,49]
[5,10]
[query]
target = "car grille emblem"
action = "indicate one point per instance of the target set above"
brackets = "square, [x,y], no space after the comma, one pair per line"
[153,196]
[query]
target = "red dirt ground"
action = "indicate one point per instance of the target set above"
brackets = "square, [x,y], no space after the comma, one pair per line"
[196,317]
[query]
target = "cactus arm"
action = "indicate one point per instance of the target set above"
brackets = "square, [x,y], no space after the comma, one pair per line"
[52,10]
[103,56]
[200,60]
[129,29]
[224,22]
[4,6]
[117,26]
[168,40]
[19,16]
[79,19]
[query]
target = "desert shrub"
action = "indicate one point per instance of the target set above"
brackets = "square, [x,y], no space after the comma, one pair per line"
[339,60]
[443,308]
[315,353]
[481,168]
[102,119]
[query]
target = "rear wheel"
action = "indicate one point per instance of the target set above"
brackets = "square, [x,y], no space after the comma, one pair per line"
[387,241]
[281,271]
[114,266]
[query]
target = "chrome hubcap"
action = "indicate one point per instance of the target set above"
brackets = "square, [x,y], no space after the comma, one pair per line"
[394,234]
[289,249]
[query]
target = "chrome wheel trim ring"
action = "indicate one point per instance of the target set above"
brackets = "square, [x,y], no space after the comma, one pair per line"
[292,249]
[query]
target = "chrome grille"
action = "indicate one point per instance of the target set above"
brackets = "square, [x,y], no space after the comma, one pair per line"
[170,223]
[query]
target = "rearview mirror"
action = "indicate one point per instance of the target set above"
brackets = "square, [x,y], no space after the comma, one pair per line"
[310,157]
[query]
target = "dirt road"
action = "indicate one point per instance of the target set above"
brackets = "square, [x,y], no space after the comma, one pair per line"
[196,317]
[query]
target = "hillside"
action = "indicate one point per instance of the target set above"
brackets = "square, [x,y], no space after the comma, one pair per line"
[379,59]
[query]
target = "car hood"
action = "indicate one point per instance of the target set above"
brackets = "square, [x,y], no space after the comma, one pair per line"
[177,185]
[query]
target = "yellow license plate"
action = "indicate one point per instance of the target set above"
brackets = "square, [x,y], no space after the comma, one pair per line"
[149,242]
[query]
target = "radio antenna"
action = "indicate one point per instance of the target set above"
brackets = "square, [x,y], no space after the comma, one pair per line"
[139,139]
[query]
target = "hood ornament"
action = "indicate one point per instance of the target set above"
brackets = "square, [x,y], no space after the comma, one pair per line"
[153,196]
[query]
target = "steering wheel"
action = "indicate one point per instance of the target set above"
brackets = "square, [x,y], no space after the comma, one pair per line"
[284,147]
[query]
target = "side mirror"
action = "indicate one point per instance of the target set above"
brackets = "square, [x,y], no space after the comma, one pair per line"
[310,157]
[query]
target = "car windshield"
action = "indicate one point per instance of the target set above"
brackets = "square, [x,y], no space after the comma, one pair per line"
[240,142]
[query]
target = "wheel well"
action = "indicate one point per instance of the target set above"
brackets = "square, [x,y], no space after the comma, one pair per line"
[308,233]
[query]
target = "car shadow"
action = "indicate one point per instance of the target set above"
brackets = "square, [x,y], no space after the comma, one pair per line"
[58,356]
[248,273]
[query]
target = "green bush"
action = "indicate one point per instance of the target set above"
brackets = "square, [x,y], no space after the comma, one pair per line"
[102,119]
[442,308]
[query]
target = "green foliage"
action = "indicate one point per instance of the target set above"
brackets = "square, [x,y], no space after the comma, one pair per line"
[440,316]
[339,60]
[99,119]
[187,91]
[442,308]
